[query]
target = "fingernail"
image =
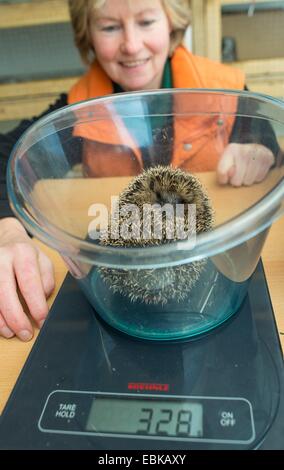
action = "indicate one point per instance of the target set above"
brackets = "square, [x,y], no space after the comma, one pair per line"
[40,323]
[25,335]
[6,332]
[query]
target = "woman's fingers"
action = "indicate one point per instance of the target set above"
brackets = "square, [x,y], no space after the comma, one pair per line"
[259,161]
[244,164]
[226,166]
[47,273]
[261,174]
[240,170]
[4,329]
[28,275]
[252,169]
[26,270]
[10,306]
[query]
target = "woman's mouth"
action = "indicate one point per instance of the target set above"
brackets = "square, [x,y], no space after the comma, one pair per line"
[133,63]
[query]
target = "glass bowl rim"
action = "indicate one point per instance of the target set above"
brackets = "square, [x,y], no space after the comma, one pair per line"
[220,239]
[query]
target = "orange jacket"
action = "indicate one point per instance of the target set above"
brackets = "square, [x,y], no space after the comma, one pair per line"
[198,140]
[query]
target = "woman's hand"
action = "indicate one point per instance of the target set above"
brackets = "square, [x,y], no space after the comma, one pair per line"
[244,164]
[25,268]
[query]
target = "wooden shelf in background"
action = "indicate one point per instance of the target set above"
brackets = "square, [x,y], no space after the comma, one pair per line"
[28,99]
[262,67]
[33,12]
[264,76]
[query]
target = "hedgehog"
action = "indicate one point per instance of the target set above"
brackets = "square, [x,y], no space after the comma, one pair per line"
[154,188]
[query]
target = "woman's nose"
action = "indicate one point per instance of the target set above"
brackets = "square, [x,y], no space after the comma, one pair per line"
[132,41]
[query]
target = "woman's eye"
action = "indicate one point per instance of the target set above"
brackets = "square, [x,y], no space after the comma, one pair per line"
[147,22]
[110,28]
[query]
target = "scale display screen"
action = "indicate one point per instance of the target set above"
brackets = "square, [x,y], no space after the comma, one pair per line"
[146,417]
[142,416]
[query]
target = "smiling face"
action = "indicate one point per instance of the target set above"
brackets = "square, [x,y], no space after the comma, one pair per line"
[131,40]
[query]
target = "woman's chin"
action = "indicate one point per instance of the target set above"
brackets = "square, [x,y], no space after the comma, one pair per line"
[136,86]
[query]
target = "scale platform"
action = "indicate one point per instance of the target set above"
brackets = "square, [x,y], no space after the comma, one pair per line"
[87,386]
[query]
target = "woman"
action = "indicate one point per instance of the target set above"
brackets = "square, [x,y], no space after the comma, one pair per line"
[136,46]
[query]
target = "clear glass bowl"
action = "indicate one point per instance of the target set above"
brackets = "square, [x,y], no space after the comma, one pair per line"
[66,168]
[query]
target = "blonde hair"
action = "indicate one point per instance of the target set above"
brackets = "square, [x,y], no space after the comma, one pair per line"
[177,11]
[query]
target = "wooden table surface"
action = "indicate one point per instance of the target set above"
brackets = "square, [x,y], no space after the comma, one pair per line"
[13,352]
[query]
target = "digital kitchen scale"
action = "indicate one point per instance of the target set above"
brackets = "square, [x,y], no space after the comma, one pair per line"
[87,386]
